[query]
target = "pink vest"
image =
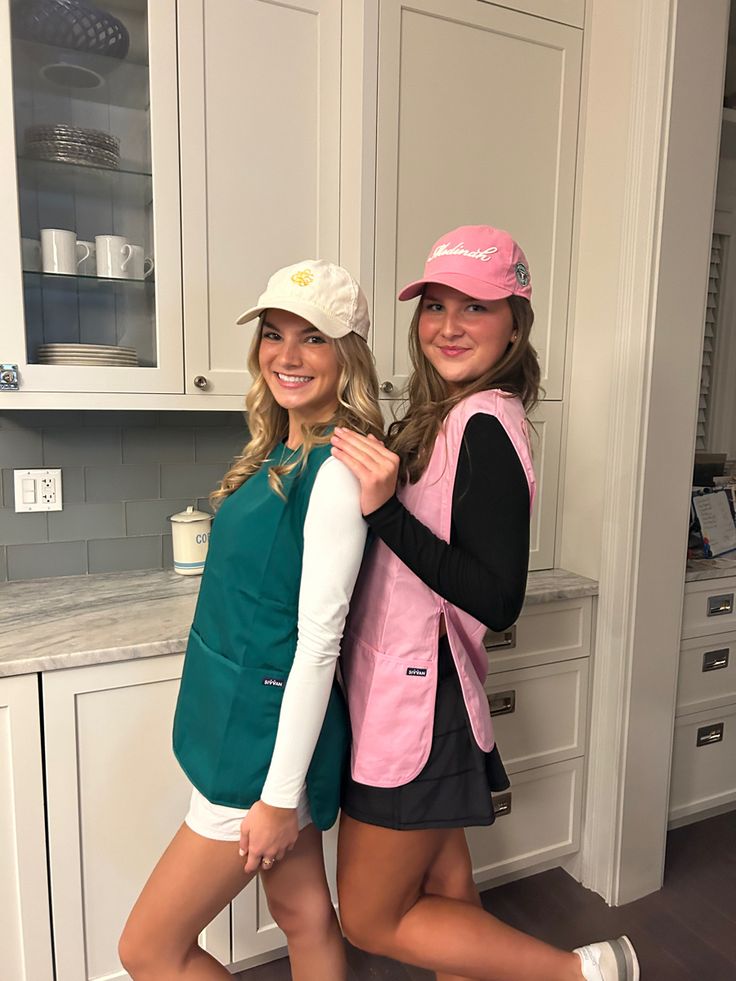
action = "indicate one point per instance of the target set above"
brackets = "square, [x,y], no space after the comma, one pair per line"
[389,654]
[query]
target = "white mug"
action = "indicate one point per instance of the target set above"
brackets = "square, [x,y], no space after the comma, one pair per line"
[141,266]
[113,256]
[59,250]
[86,258]
[31,254]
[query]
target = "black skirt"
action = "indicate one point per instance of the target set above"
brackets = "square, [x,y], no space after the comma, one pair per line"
[453,790]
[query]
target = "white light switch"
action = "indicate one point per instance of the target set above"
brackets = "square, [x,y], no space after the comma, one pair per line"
[29,490]
[37,490]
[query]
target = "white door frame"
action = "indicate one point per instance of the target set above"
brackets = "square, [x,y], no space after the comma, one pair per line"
[654,74]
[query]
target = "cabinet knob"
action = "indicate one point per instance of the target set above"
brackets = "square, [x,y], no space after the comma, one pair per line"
[387,387]
[201,382]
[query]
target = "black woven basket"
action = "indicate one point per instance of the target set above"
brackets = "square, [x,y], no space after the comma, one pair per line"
[70,24]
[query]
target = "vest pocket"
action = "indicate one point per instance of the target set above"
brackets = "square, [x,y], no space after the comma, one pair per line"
[391,714]
[225,724]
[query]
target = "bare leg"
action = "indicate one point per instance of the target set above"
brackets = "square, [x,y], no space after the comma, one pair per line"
[451,876]
[384,911]
[194,879]
[299,900]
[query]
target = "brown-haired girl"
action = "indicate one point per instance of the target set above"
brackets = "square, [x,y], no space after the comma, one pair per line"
[448,499]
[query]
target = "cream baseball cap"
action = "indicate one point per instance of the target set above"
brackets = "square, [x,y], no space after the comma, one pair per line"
[323,293]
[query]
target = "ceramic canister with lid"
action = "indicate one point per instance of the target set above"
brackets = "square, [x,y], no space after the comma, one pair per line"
[190,531]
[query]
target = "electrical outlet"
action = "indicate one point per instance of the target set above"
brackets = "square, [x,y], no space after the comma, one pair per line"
[37,490]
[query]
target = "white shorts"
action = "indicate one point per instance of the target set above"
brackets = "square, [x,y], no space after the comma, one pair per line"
[223,823]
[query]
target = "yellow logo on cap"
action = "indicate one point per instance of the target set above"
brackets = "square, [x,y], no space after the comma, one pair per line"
[303,277]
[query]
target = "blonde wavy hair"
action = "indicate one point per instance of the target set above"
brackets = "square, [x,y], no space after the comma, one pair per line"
[429,398]
[268,422]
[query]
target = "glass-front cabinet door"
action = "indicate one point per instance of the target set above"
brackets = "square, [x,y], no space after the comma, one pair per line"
[90,259]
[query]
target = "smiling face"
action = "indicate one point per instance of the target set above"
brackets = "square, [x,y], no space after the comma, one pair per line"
[299,365]
[463,337]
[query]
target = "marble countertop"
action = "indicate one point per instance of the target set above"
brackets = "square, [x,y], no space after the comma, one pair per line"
[46,624]
[719,568]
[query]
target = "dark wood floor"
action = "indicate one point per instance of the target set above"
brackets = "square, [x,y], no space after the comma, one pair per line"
[684,932]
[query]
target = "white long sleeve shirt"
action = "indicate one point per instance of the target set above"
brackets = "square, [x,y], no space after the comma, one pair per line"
[334,540]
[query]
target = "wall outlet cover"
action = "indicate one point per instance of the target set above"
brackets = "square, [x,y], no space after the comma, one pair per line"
[37,490]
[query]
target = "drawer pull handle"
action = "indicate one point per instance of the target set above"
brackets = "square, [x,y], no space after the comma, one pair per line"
[495,641]
[715,660]
[502,702]
[710,734]
[502,804]
[719,606]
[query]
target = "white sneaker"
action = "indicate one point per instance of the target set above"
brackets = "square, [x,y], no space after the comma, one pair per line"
[609,960]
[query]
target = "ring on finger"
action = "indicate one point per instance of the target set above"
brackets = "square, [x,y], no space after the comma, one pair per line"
[267,862]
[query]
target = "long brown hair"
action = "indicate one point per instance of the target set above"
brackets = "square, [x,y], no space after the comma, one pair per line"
[268,422]
[429,398]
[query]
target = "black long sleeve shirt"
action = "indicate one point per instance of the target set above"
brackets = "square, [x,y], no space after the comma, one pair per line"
[483,568]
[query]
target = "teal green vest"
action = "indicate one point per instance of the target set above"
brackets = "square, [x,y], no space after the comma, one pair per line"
[241,648]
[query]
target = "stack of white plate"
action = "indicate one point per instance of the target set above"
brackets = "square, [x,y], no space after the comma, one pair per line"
[87,354]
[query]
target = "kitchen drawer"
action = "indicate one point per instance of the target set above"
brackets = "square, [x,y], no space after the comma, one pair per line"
[544,632]
[709,607]
[540,714]
[703,776]
[707,678]
[543,822]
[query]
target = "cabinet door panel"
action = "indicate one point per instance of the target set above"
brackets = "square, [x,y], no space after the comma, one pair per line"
[260,125]
[540,714]
[546,440]
[25,934]
[116,797]
[484,130]
[543,823]
[703,762]
[80,302]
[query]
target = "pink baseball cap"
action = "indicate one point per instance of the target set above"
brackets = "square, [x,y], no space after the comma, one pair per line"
[483,262]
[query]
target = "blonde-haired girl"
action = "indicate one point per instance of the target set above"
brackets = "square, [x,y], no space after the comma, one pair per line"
[449,500]
[261,727]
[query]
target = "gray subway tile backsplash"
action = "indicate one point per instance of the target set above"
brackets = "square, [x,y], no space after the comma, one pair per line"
[124,554]
[170,445]
[48,559]
[89,520]
[121,482]
[191,481]
[123,474]
[215,445]
[23,528]
[150,517]
[20,449]
[76,447]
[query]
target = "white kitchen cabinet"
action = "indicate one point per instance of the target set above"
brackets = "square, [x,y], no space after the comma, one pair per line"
[116,796]
[545,633]
[538,820]
[477,124]
[538,689]
[260,129]
[25,934]
[703,780]
[44,185]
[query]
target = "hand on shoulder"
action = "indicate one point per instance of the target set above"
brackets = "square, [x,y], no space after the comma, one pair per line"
[376,468]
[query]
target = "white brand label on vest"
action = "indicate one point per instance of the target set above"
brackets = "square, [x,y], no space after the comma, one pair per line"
[274,682]
[420,672]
